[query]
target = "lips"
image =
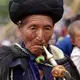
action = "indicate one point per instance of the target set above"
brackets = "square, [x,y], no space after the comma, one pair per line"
[39,44]
[38,47]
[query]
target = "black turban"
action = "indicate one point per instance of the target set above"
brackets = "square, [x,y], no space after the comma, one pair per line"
[18,9]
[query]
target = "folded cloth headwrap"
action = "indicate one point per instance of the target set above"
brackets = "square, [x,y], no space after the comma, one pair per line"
[18,9]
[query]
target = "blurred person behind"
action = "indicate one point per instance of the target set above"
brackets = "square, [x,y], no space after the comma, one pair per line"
[65,44]
[74,31]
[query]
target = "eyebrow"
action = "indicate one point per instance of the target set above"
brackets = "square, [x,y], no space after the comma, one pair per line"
[48,25]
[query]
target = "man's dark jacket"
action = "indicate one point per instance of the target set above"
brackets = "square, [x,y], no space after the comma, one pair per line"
[9,54]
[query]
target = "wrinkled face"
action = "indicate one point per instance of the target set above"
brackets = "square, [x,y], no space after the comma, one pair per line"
[77,38]
[36,32]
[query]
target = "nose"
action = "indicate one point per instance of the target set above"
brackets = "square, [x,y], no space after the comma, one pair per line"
[40,36]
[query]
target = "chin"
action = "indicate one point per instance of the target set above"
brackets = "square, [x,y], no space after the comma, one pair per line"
[37,53]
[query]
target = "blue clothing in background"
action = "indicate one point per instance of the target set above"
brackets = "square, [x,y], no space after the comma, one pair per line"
[65,45]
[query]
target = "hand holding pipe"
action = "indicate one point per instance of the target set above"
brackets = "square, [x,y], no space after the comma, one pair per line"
[58,70]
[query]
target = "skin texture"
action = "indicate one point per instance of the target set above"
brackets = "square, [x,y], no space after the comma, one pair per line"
[36,31]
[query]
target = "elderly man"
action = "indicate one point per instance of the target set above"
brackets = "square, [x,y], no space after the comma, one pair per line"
[28,60]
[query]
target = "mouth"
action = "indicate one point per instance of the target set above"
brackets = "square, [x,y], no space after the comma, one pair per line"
[39,47]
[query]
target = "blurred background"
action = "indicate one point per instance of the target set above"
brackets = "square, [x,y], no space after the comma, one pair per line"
[8,29]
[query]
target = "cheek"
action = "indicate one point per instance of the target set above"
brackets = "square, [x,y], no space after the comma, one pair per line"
[77,42]
[48,36]
[27,36]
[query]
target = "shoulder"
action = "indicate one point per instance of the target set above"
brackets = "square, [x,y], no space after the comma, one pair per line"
[75,51]
[4,48]
[58,53]
[4,51]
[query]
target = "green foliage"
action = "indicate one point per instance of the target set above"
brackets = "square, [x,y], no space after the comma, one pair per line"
[3,11]
[3,8]
[3,2]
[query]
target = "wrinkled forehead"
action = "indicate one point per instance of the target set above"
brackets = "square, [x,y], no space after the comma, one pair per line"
[39,18]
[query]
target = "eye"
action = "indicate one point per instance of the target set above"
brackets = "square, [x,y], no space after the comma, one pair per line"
[48,27]
[33,27]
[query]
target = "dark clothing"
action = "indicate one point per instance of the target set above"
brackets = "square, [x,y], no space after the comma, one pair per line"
[65,45]
[25,67]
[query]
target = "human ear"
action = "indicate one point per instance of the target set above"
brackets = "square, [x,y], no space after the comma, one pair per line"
[19,32]
[73,41]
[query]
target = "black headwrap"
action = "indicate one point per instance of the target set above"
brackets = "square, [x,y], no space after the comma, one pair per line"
[18,9]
